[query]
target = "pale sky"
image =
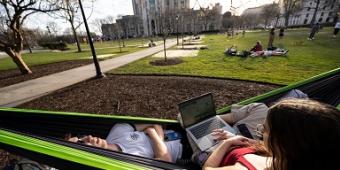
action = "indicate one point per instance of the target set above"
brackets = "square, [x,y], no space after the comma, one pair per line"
[103,8]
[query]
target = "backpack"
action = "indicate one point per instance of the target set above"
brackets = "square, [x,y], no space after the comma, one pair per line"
[232,51]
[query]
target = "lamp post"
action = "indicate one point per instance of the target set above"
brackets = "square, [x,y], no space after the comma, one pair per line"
[99,73]
[177,17]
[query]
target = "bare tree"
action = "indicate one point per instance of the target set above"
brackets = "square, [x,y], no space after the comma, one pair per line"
[269,12]
[316,8]
[70,13]
[53,26]
[118,34]
[13,14]
[165,27]
[290,6]
[98,22]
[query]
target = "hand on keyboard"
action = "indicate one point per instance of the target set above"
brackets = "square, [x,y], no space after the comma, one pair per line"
[221,134]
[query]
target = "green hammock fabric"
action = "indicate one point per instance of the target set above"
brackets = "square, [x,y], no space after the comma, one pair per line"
[36,132]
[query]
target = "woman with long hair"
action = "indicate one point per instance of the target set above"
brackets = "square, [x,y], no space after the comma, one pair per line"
[297,134]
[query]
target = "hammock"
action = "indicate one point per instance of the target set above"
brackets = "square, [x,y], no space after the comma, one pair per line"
[37,134]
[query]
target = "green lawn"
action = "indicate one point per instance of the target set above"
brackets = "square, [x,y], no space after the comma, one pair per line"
[111,44]
[304,59]
[39,58]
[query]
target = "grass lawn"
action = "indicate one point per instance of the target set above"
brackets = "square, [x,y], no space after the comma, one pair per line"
[304,59]
[111,44]
[52,57]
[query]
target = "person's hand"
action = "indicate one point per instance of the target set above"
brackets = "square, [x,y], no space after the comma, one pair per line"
[150,130]
[221,134]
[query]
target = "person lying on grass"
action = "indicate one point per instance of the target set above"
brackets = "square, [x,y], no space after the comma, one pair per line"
[141,139]
[257,50]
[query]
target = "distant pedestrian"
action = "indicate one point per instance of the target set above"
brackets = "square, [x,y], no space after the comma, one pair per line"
[313,31]
[281,34]
[243,33]
[336,29]
[271,39]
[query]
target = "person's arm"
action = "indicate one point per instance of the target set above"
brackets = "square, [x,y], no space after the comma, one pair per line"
[158,128]
[217,155]
[98,142]
[228,118]
[160,150]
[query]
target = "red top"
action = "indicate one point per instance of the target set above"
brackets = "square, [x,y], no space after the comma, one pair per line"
[257,47]
[236,155]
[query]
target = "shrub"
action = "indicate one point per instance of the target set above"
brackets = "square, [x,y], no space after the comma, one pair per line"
[54,45]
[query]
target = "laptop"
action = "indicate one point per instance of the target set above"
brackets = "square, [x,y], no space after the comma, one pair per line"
[199,119]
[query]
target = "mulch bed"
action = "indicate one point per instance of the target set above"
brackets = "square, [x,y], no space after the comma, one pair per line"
[146,96]
[13,76]
[168,62]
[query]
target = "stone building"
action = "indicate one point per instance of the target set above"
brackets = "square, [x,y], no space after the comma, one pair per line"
[129,26]
[149,11]
[328,12]
[179,16]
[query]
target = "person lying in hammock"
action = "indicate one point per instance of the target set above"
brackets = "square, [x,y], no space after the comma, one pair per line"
[141,139]
[244,120]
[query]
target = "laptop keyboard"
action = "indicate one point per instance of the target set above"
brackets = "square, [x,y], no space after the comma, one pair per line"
[207,127]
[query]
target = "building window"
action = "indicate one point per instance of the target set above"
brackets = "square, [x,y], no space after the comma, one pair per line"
[305,21]
[176,4]
[324,7]
[308,9]
[307,15]
[321,13]
[310,3]
[167,2]
[327,20]
[182,3]
[320,20]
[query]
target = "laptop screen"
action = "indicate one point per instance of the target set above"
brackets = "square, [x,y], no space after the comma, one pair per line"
[197,109]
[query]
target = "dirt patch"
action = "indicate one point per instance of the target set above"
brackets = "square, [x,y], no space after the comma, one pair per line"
[168,62]
[146,96]
[10,77]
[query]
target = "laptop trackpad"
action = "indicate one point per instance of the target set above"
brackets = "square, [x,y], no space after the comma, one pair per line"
[206,142]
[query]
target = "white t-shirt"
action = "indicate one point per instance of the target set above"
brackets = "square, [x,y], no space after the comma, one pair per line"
[138,143]
[337,25]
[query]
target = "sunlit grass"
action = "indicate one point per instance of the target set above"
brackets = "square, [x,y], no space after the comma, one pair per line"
[305,58]
[52,57]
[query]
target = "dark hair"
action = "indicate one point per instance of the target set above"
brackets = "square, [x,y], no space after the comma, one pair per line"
[303,134]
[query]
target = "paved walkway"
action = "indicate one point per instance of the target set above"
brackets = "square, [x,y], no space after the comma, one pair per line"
[17,94]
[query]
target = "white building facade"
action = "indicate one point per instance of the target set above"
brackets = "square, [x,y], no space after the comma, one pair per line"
[149,9]
[327,13]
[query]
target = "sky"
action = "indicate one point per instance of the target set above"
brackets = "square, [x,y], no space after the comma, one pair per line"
[103,8]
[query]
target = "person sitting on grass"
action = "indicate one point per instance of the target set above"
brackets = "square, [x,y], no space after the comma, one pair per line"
[297,134]
[141,139]
[257,50]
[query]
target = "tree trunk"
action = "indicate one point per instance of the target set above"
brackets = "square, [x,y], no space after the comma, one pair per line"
[277,20]
[16,57]
[287,19]
[76,37]
[120,48]
[314,14]
[164,40]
